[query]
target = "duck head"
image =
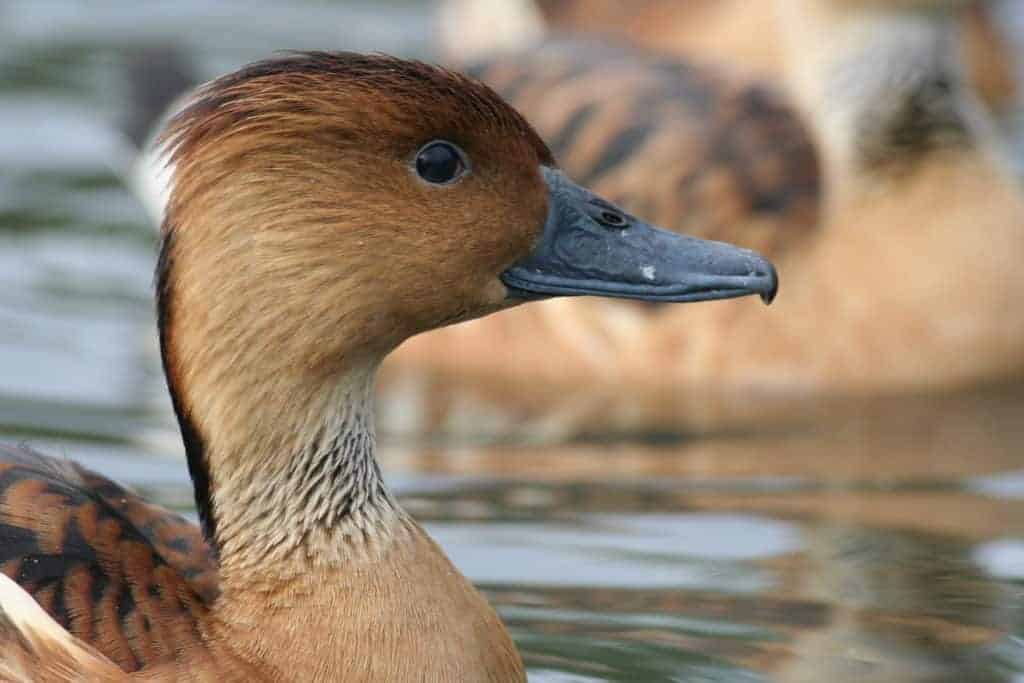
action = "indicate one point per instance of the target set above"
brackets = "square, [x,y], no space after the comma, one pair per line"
[325,207]
[379,197]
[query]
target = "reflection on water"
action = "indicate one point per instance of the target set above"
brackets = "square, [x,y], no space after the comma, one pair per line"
[893,573]
[879,541]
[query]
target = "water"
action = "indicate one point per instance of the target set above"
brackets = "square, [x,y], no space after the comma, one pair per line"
[883,543]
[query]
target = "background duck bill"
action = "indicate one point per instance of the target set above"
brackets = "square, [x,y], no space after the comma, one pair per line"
[591,247]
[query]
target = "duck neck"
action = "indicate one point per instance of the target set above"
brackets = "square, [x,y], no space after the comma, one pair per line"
[320,570]
[880,82]
[306,492]
[286,473]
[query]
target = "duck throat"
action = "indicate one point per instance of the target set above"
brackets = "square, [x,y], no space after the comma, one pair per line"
[882,82]
[303,486]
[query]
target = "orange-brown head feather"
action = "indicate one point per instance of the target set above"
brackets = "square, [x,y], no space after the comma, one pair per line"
[300,170]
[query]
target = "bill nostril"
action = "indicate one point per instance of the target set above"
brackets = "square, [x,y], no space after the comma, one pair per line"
[612,219]
[606,214]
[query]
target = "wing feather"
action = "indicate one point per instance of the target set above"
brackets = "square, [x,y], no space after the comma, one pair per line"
[124,576]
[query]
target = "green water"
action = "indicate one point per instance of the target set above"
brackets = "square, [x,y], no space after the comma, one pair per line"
[885,544]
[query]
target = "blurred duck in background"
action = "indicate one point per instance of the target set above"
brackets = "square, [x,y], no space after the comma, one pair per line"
[735,32]
[901,249]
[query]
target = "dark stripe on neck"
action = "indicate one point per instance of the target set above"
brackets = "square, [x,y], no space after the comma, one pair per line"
[194,448]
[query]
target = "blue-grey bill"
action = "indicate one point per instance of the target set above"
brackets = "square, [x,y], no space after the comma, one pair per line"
[592,248]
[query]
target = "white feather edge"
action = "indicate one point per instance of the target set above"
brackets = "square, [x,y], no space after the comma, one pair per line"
[37,627]
[26,614]
[149,174]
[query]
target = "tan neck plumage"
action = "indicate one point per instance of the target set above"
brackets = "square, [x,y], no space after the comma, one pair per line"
[302,486]
[321,571]
[275,398]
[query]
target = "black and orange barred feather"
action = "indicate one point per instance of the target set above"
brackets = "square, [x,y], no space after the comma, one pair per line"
[121,574]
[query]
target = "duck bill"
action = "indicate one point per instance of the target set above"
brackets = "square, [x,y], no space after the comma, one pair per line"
[590,247]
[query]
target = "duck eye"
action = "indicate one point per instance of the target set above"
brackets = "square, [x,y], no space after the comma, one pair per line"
[440,162]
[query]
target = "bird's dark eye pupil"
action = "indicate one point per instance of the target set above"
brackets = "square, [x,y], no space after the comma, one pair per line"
[438,163]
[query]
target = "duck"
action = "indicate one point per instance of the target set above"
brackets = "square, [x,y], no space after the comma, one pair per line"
[710,32]
[889,168]
[324,207]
